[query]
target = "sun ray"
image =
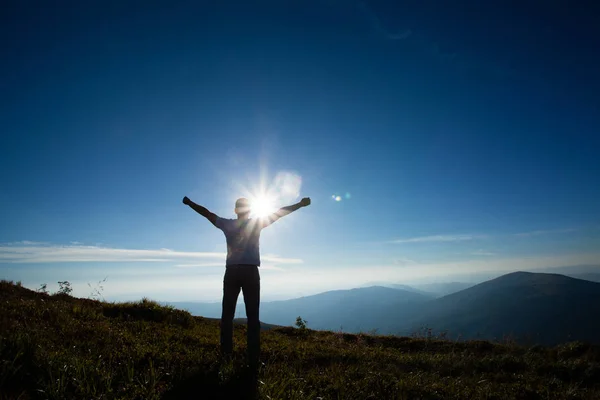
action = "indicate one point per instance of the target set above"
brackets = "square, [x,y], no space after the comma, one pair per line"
[266,195]
[262,205]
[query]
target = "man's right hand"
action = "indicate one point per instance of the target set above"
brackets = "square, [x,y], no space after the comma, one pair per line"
[186,201]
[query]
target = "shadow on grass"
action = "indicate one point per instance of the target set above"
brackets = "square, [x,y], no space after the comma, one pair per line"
[209,385]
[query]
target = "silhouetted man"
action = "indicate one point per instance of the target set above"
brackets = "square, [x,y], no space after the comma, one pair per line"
[243,260]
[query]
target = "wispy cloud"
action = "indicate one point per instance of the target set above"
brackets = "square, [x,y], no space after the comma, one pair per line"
[466,237]
[439,238]
[492,265]
[275,259]
[404,262]
[25,243]
[271,267]
[543,232]
[33,253]
[481,252]
[199,265]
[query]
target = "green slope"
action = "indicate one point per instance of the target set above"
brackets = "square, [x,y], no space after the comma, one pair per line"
[59,347]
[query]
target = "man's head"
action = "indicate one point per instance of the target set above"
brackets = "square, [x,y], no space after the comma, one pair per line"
[242,207]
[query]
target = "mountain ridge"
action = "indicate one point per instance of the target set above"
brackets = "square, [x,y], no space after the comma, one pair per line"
[543,307]
[523,305]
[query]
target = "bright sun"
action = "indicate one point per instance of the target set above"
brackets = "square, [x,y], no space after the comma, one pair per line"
[262,206]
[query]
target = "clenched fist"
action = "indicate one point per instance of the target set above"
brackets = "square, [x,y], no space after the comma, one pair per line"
[305,202]
[186,201]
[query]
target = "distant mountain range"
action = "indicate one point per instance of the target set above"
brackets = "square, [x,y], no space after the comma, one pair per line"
[429,289]
[593,277]
[526,307]
[353,310]
[586,272]
[443,288]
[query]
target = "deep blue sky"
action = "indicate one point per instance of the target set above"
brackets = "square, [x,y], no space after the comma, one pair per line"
[470,135]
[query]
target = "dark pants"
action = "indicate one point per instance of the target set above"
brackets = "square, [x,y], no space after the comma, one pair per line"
[246,278]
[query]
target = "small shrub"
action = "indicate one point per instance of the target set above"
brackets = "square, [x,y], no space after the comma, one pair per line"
[43,288]
[96,293]
[300,323]
[64,287]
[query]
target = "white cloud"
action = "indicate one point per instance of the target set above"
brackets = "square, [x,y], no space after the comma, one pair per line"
[404,262]
[492,265]
[25,243]
[270,267]
[543,232]
[465,237]
[439,238]
[179,284]
[202,265]
[481,252]
[36,253]
[275,259]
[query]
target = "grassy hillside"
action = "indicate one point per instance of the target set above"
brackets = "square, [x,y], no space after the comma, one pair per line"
[59,347]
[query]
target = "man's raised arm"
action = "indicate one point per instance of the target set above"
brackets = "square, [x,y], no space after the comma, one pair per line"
[283,211]
[201,210]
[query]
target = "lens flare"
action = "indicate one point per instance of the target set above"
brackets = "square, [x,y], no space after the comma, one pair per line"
[338,198]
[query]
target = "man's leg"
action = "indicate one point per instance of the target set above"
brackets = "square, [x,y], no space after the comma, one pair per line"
[251,288]
[231,291]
